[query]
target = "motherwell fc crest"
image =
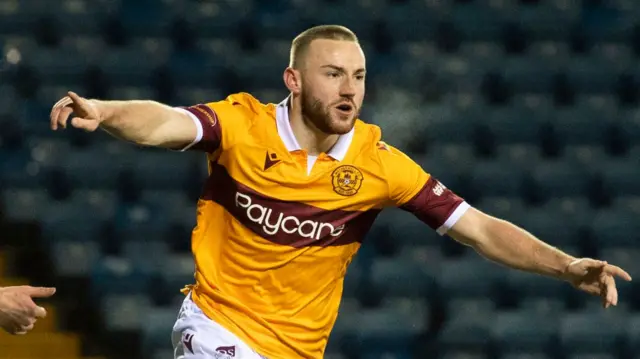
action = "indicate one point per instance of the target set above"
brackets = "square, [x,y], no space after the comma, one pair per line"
[346,180]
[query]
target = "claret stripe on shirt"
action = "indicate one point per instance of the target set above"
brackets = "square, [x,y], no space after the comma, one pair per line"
[286,222]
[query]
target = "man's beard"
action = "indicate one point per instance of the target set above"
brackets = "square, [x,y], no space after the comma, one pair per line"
[320,116]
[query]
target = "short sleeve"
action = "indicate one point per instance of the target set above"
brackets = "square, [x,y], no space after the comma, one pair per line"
[215,123]
[209,131]
[414,190]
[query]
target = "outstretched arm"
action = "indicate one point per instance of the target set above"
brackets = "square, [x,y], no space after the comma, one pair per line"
[510,245]
[419,193]
[146,123]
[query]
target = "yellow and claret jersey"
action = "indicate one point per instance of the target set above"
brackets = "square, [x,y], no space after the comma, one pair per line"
[277,228]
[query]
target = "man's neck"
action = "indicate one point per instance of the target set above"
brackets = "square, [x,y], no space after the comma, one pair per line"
[308,136]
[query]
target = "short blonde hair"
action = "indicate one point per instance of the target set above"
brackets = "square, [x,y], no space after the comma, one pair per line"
[300,43]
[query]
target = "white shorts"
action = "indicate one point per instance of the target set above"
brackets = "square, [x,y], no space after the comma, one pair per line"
[195,336]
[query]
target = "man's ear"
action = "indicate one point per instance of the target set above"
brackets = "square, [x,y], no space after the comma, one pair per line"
[292,80]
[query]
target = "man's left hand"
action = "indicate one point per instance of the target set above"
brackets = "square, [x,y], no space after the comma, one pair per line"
[597,278]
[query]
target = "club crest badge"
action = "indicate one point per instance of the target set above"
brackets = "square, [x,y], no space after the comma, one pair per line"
[346,180]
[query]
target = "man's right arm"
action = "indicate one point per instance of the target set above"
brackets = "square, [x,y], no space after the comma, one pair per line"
[147,123]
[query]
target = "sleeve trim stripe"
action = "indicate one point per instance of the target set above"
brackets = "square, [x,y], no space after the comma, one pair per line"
[453,218]
[199,129]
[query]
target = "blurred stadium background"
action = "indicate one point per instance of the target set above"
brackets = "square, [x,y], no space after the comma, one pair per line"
[528,108]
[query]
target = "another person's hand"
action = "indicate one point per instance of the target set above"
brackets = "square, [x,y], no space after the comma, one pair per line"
[18,311]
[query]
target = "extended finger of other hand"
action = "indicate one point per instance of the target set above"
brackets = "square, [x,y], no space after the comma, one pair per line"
[40,292]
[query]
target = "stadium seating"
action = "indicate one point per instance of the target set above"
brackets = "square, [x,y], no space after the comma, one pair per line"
[528,109]
[525,331]
[591,333]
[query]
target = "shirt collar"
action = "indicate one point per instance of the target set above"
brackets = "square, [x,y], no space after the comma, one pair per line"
[337,152]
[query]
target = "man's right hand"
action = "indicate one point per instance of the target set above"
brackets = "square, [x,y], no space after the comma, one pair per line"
[87,117]
[18,312]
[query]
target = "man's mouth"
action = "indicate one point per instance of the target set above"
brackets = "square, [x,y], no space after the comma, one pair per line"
[345,107]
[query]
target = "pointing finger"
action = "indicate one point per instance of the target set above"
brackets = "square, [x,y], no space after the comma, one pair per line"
[40,292]
[77,99]
[617,271]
